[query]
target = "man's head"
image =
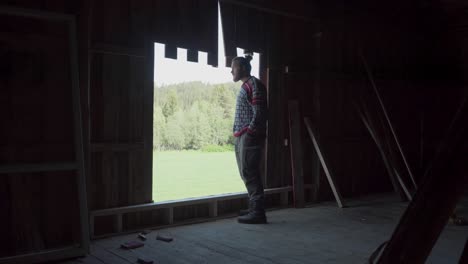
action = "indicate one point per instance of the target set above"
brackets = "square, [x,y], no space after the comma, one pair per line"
[240,68]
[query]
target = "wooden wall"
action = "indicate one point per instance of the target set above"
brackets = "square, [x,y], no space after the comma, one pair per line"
[411,58]
[406,47]
[40,207]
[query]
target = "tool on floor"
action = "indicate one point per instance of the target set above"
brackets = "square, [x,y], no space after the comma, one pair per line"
[164,238]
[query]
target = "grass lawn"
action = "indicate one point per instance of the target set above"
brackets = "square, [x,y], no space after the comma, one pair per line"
[186,174]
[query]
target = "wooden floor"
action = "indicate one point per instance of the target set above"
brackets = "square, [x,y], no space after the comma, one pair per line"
[322,233]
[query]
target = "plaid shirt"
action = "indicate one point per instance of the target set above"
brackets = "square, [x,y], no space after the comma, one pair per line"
[251,109]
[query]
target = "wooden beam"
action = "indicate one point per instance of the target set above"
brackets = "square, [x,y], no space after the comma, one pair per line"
[266,10]
[116,147]
[38,167]
[45,256]
[78,136]
[31,13]
[192,55]
[103,48]
[371,79]
[169,208]
[398,185]
[170,204]
[435,200]
[325,167]
[170,52]
[296,154]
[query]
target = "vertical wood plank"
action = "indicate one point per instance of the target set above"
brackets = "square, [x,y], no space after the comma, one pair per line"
[213,209]
[170,216]
[91,226]
[118,223]
[275,150]
[296,153]
[284,197]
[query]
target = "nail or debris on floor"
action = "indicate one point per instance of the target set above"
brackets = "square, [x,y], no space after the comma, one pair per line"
[142,236]
[131,244]
[164,238]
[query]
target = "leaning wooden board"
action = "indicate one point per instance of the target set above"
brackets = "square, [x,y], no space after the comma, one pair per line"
[328,173]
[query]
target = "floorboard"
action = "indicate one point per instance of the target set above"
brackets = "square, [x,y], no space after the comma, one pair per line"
[322,233]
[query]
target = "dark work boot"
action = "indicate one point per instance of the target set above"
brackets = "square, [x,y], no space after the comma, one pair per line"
[253,218]
[246,211]
[256,214]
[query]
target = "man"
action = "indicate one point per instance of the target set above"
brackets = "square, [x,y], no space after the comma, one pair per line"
[249,132]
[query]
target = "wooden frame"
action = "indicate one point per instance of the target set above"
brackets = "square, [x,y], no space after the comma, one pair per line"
[212,201]
[78,165]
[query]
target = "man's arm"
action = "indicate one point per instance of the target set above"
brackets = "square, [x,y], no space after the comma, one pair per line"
[259,108]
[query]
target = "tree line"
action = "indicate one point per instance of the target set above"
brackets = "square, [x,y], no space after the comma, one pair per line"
[193,115]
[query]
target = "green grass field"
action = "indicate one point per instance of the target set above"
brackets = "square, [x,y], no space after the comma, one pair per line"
[187,174]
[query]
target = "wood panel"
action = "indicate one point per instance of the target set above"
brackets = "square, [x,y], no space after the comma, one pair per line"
[121,23]
[277,152]
[41,138]
[118,85]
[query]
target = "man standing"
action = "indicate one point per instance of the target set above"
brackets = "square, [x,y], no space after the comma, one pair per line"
[249,132]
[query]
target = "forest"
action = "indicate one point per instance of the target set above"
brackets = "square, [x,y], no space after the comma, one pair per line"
[194,116]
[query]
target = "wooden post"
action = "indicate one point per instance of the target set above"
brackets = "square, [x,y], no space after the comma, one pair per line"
[118,223]
[328,173]
[170,216]
[192,55]
[213,209]
[296,154]
[275,150]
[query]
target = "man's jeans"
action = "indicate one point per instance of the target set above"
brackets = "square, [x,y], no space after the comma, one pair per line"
[249,150]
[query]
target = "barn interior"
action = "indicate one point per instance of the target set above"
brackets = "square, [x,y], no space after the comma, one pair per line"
[365,158]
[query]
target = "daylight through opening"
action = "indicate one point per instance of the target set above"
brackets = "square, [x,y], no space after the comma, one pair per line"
[194,104]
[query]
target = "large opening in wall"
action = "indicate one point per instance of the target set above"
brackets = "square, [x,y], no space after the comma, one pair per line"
[194,104]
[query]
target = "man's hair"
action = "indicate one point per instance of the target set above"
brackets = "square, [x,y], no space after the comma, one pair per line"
[244,62]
